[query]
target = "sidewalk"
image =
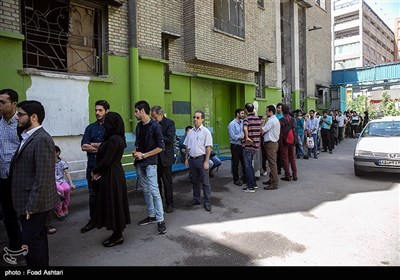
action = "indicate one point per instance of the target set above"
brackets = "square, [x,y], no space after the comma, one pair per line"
[327,217]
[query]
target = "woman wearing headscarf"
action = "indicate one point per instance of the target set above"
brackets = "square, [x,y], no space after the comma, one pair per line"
[112,209]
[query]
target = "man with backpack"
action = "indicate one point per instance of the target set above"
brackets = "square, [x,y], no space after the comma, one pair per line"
[287,142]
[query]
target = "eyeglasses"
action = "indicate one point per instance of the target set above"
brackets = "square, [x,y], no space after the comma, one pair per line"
[20,114]
[196,118]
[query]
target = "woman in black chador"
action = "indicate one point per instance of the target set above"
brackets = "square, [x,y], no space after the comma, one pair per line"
[112,209]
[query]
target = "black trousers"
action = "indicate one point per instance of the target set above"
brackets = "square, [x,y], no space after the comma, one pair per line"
[326,139]
[34,234]
[92,193]
[11,222]
[237,156]
[164,177]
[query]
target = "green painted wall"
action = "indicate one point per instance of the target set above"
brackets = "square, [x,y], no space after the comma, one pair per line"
[249,93]
[223,95]
[151,76]
[115,92]
[11,62]
[310,103]
[201,95]
[273,95]
[180,91]
[295,100]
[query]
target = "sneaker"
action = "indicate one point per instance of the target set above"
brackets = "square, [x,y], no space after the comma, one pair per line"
[147,221]
[249,189]
[65,211]
[161,227]
[207,206]
[59,213]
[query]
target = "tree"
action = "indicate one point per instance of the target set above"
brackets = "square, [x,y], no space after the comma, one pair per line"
[387,106]
[358,104]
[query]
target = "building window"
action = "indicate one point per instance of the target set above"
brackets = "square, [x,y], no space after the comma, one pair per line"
[260,3]
[259,78]
[63,36]
[229,16]
[321,3]
[165,55]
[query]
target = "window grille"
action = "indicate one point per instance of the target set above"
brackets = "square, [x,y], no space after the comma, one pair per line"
[63,36]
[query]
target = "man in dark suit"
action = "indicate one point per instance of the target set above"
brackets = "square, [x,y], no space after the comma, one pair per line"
[34,190]
[166,158]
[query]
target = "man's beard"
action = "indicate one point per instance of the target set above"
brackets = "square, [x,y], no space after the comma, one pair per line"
[26,125]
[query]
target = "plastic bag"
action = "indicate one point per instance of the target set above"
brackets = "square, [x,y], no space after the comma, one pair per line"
[310,142]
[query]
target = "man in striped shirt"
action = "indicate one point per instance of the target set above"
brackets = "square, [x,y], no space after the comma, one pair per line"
[251,144]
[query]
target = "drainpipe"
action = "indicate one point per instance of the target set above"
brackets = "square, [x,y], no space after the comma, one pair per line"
[133,56]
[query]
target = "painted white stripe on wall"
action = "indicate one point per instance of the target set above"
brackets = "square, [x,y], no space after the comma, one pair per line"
[65,102]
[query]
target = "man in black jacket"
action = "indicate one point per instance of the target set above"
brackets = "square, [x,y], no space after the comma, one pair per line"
[166,158]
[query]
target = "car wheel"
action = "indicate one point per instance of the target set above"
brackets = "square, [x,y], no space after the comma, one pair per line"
[357,171]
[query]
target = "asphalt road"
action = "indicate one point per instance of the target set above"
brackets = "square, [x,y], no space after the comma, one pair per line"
[328,217]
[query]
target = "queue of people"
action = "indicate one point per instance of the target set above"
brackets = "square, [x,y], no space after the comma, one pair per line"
[41,183]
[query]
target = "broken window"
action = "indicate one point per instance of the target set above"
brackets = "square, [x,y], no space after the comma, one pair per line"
[63,36]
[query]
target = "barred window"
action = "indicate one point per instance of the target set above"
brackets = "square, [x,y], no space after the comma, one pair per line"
[259,78]
[229,16]
[63,36]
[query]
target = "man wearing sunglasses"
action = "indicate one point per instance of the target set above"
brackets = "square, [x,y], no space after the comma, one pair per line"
[199,144]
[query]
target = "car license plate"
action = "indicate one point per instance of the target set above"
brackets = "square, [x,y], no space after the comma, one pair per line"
[389,162]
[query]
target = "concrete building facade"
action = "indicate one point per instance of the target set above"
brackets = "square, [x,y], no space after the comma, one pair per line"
[184,55]
[360,37]
[397,39]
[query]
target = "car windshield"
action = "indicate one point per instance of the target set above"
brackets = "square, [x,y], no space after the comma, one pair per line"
[382,129]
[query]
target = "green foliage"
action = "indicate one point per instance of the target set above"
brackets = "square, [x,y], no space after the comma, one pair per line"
[387,106]
[359,104]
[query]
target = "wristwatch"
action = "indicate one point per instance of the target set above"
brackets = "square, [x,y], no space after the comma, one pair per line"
[143,154]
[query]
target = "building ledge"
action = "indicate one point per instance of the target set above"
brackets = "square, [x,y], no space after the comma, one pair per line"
[58,75]
[163,61]
[11,35]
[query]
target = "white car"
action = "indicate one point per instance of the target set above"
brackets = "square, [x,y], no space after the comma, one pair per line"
[378,147]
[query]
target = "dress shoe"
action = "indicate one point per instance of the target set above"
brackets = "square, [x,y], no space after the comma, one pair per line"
[207,206]
[89,226]
[169,209]
[267,182]
[238,183]
[271,188]
[105,242]
[114,242]
[286,179]
[294,178]
[192,203]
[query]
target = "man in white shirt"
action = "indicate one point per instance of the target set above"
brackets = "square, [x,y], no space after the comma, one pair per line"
[271,131]
[199,145]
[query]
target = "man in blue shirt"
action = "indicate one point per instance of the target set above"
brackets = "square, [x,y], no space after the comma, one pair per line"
[92,138]
[326,122]
[236,134]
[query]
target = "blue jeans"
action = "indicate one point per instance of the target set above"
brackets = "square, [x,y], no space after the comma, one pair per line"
[248,167]
[214,162]
[299,145]
[315,149]
[147,176]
